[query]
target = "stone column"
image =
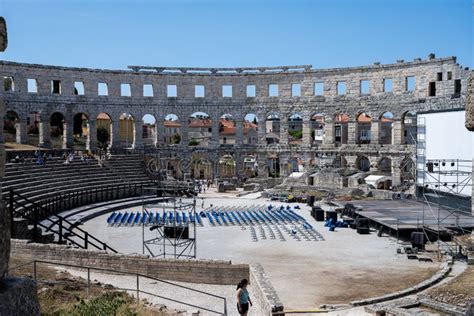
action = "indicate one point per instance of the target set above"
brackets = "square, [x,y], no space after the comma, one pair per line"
[138,134]
[306,130]
[44,133]
[351,162]
[396,171]
[21,132]
[262,165]
[159,132]
[397,133]
[92,135]
[351,132]
[184,132]
[284,130]
[239,131]
[68,134]
[374,167]
[328,138]
[115,134]
[261,130]
[215,133]
[375,132]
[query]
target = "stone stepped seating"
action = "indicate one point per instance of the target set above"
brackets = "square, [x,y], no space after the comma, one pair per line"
[39,183]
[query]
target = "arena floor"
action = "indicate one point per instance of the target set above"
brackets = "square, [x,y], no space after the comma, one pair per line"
[345,266]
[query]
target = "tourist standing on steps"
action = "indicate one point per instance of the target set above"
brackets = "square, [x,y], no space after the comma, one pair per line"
[243,298]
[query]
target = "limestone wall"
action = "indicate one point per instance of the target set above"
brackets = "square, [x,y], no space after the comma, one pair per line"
[197,271]
[470,121]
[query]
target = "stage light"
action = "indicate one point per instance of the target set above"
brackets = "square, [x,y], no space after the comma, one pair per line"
[443,164]
[436,164]
[452,164]
[453,186]
[436,186]
[445,184]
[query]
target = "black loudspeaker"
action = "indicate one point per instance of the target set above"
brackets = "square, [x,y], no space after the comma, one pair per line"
[319,215]
[181,232]
[331,214]
[310,200]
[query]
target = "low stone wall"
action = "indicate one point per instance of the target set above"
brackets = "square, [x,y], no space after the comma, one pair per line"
[264,292]
[196,271]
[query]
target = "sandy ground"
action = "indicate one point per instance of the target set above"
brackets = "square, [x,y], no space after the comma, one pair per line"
[346,266]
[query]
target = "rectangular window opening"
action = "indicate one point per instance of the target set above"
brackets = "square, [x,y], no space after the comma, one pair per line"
[125,90]
[227,91]
[8,84]
[432,89]
[296,90]
[147,90]
[341,88]
[410,83]
[364,87]
[439,76]
[172,91]
[319,88]
[78,88]
[56,86]
[251,91]
[387,85]
[457,86]
[103,89]
[199,91]
[32,85]
[450,75]
[273,90]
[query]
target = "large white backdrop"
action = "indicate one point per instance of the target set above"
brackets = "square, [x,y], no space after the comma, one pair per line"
[447,138]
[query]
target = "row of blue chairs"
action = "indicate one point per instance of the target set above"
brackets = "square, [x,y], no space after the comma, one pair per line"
[135,219]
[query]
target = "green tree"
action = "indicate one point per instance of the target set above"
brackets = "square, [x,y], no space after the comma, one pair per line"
[103,135]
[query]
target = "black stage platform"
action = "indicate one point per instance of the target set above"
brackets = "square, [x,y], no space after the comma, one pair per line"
[407,215]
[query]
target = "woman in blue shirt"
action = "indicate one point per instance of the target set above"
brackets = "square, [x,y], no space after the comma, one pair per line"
[243,298]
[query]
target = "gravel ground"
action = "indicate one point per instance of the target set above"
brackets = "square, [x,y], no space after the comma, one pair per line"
[174,292]
[345,267]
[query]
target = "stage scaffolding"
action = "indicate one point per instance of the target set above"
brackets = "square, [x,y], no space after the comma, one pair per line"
[172,239]
[444,180]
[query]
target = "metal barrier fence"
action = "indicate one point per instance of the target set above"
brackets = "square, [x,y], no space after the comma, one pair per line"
[137,290]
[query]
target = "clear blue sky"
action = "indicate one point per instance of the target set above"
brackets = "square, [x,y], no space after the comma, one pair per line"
[325,33]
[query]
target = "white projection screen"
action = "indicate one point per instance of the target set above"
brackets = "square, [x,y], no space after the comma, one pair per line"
[447,138]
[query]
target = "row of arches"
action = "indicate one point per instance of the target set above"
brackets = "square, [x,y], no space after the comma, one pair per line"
[202,131]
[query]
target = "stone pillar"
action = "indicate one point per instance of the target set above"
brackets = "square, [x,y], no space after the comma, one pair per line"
[68,134]
[375,132]
[159,132]
[4,214]
[184,132]
[351,132]
[328,133]
[397,132]
[138,134]
[21,132]
[115,134]
[262,164]
[44,133]
[92,135]
[374,168]
[239,131]
[261,131]
[351,162]
[215,133]
[396,171]
[284,130]
[306,131]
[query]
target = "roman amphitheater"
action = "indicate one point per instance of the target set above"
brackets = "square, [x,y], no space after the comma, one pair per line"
[314,184]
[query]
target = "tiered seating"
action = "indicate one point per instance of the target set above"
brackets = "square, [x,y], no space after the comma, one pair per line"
[40,182]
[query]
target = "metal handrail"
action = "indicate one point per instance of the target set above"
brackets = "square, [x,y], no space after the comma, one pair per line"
[138,290]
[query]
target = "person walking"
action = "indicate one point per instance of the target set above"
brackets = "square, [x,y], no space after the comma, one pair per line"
[243,298]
